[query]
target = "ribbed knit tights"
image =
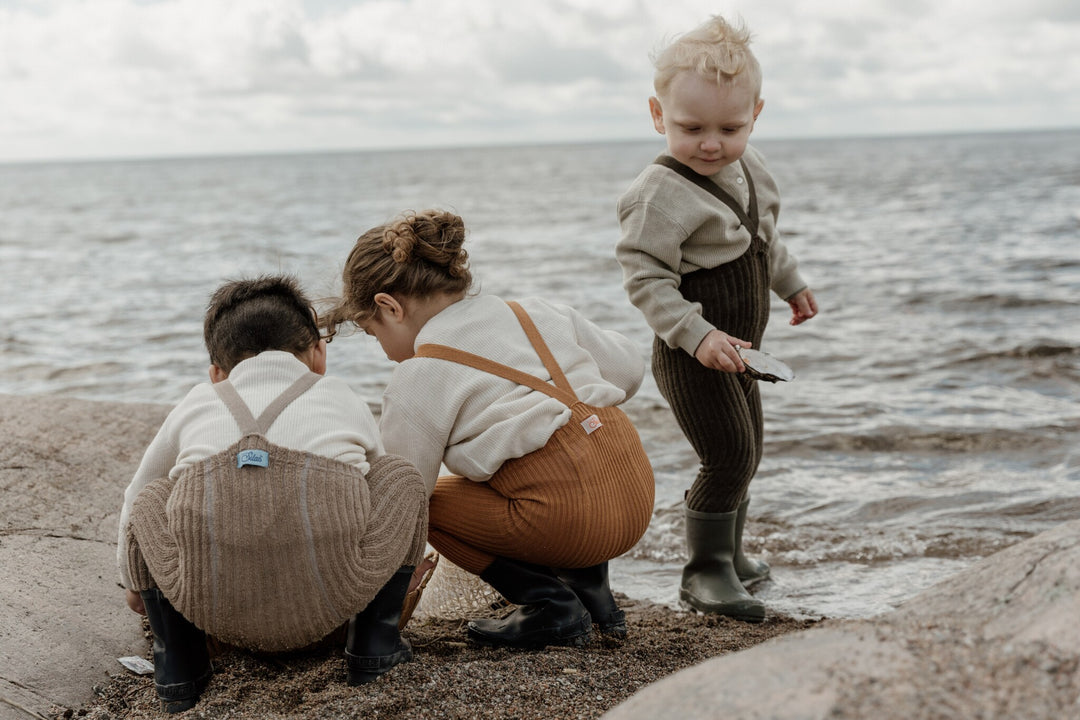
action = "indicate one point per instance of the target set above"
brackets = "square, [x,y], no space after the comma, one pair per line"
[719,412]
[566,505]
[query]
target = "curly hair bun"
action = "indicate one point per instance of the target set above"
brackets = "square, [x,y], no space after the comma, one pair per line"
[433,236]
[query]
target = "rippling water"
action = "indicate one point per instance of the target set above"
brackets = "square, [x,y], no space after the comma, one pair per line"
[935,416]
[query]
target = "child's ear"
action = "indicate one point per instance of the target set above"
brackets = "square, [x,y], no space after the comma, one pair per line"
[657,113]
[757,108]
[318,357]
[390,305]
[217,374]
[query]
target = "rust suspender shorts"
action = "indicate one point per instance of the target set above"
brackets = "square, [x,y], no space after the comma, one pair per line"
[582,499]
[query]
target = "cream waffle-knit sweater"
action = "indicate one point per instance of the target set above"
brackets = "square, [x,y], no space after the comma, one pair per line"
[436,411]
[671,227]
[328,420]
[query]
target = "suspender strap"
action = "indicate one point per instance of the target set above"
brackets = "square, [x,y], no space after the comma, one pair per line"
[298,388]
[561,391]
[541,348]
[239,409]
[242,414]
[444,352]
[751,221]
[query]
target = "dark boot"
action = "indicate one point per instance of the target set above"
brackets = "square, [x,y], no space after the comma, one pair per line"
[593,589]
[749,570]
[709,581]
[548,612]
[181,661]
[374,644]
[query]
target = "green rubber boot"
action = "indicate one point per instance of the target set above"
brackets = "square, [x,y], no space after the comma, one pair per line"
[709,581]
[749,570]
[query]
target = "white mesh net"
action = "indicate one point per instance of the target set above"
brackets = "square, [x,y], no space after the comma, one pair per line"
[453,593]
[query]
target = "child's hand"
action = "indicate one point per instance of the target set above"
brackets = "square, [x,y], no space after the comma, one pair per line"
[803,306]
[717,351]
[134,601]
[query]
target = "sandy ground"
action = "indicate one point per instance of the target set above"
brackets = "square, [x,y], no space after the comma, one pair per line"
[450,677]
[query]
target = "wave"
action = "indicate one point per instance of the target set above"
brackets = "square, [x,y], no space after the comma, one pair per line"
[793,545]
[991,301]
[1024,352]
[964,525]
[901,438]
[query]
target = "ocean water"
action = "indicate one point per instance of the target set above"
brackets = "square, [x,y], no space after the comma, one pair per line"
[934,419]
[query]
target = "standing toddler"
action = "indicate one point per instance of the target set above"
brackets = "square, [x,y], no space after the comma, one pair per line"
[700,253]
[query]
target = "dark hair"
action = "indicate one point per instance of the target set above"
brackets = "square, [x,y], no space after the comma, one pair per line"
[247,317]
[415,255]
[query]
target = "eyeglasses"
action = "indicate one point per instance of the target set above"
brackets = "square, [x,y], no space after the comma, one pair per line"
[330,332]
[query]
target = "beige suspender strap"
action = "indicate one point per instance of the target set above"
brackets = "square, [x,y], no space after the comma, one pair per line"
[242,414]
[564,393]
[236,405]
[298,388]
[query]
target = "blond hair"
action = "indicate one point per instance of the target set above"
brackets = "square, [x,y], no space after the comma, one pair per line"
[715,48]
[415,255]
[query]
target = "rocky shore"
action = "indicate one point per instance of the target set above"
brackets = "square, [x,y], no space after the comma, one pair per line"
[999,640]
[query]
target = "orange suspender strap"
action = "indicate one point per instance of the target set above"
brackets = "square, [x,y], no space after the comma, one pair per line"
[561,391]
[550,364]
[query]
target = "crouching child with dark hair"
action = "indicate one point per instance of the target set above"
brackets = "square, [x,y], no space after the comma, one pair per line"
[265,513]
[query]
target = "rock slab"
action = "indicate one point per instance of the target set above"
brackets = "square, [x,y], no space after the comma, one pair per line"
[64,464]
[998,640]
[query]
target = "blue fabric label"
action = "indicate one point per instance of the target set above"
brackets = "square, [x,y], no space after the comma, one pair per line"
[253,457]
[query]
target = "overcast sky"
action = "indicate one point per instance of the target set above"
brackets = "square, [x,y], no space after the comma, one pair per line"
[132,78]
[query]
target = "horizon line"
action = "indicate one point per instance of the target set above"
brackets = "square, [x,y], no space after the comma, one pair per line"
[507,145]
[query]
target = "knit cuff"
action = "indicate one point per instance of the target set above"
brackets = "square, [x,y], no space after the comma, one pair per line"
[136,566]
[789,285]
[693,335]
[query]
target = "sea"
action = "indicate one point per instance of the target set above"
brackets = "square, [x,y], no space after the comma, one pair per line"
[934,418]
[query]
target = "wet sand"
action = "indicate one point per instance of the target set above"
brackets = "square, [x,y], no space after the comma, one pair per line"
[450,677]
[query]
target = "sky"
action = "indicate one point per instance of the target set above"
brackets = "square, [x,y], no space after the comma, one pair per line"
[83,79]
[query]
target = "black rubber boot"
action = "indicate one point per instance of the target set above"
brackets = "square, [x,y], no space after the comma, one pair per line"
[709,581]
[181,661]
[374,643]
[593,589]
[749,570]
[548,612]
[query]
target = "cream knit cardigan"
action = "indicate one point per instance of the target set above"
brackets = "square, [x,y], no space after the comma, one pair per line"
[671,227]
[436,411]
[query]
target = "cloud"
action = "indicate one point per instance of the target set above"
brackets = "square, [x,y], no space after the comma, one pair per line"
[916,67]
[86,78]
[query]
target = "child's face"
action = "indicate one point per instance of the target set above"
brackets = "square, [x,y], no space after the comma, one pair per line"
[707,125]
[395,338]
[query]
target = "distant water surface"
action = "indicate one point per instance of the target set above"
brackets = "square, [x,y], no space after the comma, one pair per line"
[934,419]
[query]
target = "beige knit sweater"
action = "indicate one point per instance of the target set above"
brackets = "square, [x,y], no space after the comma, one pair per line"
[671,227]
